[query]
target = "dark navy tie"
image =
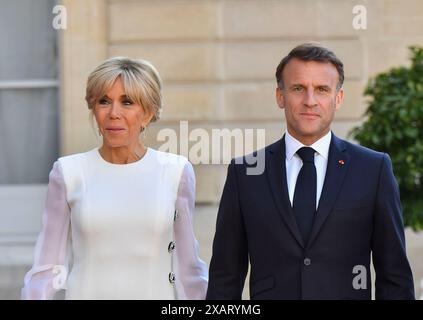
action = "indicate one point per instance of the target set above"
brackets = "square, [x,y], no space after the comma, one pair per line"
[304,203]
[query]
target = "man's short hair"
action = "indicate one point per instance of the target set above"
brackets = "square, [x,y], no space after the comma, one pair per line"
[311,52]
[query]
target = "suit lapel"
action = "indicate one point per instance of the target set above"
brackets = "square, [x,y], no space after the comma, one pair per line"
[276,175]
[337,167]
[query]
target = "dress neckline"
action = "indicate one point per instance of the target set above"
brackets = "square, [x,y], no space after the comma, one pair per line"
[144,158]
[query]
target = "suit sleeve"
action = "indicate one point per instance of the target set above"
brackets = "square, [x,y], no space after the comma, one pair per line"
[229,263]
[394,279]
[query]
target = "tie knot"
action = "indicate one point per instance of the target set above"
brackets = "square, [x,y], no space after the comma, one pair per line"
[306,154]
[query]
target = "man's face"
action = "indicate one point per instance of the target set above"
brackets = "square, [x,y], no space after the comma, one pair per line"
[310,98]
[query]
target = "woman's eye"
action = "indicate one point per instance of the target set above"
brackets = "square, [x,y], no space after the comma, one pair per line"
[127,102]
[103,102]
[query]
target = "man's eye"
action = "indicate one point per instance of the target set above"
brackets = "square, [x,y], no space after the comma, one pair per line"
[297,88]
[323,89]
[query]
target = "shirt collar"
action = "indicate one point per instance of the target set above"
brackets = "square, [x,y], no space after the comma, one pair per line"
[321,146]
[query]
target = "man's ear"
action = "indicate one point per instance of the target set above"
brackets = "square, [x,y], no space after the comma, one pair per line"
[279,98]
[339,98]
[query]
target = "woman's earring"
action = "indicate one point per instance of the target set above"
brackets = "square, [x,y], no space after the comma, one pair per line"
[99,132]
[143,131]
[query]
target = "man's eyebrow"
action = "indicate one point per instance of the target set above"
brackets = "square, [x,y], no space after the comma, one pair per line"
[326,86]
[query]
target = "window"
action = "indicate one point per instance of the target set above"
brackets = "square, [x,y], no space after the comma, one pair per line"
[29,109]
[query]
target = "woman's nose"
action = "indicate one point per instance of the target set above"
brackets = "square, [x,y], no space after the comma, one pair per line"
[114,110]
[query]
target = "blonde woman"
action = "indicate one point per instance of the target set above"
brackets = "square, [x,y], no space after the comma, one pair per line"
[118,219]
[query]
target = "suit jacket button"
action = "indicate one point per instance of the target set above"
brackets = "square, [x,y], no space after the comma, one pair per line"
[307,261]
[171,277]
[171,246]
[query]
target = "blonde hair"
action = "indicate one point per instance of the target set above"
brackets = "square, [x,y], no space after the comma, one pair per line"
[140,78]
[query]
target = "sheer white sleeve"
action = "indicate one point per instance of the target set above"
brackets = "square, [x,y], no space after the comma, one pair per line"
[190,271]
[52,249]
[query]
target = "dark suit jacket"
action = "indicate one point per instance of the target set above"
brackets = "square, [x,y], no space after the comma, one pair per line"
[359,215]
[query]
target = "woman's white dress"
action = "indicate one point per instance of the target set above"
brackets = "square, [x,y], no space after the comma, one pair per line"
[118,231]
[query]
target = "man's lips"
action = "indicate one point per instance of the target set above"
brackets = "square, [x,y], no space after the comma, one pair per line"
[309,115]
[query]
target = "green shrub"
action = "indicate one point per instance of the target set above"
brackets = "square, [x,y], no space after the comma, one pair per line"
[394,124]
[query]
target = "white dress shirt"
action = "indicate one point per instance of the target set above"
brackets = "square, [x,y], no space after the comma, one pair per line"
[294,163]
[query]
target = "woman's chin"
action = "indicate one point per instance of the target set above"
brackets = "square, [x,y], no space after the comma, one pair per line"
[115,143]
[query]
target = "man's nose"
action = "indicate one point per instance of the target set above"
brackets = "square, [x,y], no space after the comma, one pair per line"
[310,99]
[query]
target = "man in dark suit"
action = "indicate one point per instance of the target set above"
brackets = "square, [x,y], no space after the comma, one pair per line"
[309,224]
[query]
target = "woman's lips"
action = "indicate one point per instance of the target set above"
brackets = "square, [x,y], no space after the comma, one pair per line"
[115,129]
